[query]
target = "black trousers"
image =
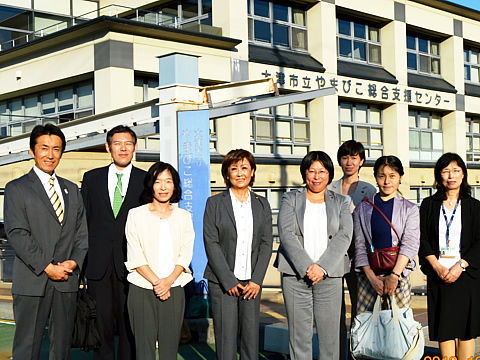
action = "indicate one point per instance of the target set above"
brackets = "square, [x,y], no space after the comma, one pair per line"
[233,316]
[32,313]
[110,294]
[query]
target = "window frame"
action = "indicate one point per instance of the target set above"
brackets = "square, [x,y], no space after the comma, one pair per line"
[420,131]
[276,142]
[271,21]
[468,64]
[429,55]
[354,39]
[470,136]
[355,125]
[419,189]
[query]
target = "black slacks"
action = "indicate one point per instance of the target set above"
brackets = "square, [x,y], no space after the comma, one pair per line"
[110,294]
[233,316]
[32,313]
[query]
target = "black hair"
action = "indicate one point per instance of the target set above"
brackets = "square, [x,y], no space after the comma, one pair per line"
[442,163]
[313,156]
[120,129]
[47,129]
[151,177]
[233,157]
[352,148]
[388,160]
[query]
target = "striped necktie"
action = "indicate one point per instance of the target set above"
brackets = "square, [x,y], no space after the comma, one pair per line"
[55,200]
[117,196]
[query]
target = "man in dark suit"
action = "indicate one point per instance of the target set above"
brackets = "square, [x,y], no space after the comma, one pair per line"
[109,193]
[46,225]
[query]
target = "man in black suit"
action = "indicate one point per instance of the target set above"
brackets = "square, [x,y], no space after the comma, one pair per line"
[45,224]
[109,193]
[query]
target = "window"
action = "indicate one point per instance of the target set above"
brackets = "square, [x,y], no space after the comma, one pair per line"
[20,115]
[362,123]
[472,65]
[277,25]
[145,88]
[476,192]
[418,193]
[213,135]
[281,130]
[423,56]
[426,137]
[472,128]
[358,42]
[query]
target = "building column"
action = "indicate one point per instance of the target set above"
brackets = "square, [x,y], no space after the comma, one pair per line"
[322,42]
[324,125]
[393,37]
[113,89]
[451,55]
[234,133]
[454,133]
[395,132]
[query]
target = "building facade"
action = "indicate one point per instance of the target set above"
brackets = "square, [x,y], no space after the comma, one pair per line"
[407,75]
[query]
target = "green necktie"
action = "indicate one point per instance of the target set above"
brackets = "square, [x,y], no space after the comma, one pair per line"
[117,196]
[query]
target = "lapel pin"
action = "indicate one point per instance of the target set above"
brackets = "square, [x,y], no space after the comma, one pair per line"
[66,191]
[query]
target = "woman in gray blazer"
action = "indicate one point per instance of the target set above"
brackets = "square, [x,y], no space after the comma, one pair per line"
[315,228]
[372,231]
[237,231]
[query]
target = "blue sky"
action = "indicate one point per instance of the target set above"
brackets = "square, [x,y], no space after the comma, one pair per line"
[474,4]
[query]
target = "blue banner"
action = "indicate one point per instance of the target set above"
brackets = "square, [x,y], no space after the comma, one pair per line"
[194,170]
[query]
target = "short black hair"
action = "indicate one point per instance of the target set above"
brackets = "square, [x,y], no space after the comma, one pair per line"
[120,129]
[233,157]
[390,161]
[350,148]
[151,177]
[47,129]
[313,156]
[442,163]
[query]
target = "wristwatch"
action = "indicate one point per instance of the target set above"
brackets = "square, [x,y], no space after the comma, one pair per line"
[462,264]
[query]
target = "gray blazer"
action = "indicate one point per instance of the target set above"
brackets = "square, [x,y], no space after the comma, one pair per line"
[220,238]
[405,219]
[37,236]
[292,258]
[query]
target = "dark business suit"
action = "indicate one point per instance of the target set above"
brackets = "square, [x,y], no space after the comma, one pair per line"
[38,238]
[105,268]
[232,313]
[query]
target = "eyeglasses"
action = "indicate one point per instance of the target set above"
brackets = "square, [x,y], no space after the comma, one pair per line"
[454,172]
[322,173]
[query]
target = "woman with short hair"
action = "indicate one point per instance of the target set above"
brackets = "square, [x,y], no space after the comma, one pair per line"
[315,228]
[159,251]
[450,257]
[237,231]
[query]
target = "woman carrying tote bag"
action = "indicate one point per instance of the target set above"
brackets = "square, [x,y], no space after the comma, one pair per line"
[386,221]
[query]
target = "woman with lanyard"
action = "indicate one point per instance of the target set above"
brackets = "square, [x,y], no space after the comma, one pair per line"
[372,231]
[450,257]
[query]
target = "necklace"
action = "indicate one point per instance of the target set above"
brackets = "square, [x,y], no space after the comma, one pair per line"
[242,197]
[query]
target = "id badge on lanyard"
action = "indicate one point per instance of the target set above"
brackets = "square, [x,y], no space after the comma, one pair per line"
[449,251]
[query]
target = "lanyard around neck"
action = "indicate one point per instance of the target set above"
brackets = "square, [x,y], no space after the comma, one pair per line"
[449,223]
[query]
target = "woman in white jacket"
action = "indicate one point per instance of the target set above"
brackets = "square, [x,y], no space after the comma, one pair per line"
[159,250]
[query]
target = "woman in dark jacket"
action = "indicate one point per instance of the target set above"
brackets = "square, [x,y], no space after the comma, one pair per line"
[237,231]
[450,257]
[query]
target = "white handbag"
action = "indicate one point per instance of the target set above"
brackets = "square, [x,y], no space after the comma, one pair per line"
[387,334]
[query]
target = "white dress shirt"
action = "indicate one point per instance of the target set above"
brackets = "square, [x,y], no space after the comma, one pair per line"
[45,178]
[165,251]
[112,180]
[244,224]
[455,233]
[315,239]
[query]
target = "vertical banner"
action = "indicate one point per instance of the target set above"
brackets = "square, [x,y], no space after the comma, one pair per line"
[194,169]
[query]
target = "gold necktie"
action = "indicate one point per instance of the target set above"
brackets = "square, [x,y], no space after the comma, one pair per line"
[55,200]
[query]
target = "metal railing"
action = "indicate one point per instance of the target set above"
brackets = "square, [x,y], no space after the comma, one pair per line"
[118,11]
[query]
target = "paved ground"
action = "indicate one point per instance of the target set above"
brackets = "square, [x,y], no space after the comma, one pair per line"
[272,311]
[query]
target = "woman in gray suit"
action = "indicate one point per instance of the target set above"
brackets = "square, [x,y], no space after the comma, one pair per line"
[315,227]
[237,231]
